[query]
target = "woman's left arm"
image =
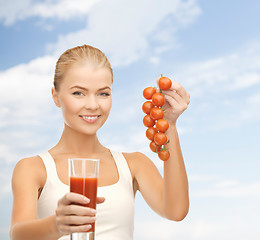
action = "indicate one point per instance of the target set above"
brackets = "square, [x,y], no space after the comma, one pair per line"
[168,195]
[175,181]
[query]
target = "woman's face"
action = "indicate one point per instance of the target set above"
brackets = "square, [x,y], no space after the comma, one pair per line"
[85,97]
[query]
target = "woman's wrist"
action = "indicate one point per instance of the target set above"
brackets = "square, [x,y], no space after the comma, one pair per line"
[172,127]
[54,229]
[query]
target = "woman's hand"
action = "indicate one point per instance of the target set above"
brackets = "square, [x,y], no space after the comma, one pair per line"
[177,101]
[72,217]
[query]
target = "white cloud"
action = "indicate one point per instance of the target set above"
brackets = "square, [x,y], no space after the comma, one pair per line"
[229,190]
[226,210]
[4,230]
[16,10]
[232,72]
[154,60]
[227,183]
[212,186]
[203,178]
[248,110]
[165,230]
[123,31]
[237,111]
[63,9]
[7,153]
[26,85]
[196,228]
[13,10]
[125,25]
[224,90]
[5,178]
[254,99]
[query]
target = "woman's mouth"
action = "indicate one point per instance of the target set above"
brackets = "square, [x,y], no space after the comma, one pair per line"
[90,118]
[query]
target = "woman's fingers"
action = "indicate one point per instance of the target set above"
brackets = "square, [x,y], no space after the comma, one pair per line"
[73,203]
[72,215]
[76,210]
[77,220]
[174,95]
[66,229]
[100,200]
[178,106]
[73,198]
[77,198]
[181,91]
[174,98]
[73,223]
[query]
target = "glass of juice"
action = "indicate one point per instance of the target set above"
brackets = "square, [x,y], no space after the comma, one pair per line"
[83,173]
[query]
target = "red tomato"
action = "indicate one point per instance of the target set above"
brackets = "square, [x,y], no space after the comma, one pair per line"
[147,106]
[162,125]
[165,83]
[156,113]
[158,99]
[160,138]
[149,92]
[164,155]
[154,147]
[150,132]
[148,121]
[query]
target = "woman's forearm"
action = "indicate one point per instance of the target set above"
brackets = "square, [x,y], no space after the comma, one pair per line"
[40,229]
[176,192]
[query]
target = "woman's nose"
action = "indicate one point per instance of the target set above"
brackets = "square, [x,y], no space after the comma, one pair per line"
[91,103]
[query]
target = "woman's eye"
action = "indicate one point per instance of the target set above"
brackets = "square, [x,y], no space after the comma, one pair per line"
[105,94]
[77,93]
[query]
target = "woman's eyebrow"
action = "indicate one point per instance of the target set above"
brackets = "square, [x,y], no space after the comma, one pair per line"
[104,88]
[101,89]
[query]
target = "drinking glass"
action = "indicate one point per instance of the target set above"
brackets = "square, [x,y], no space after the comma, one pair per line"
[83,173]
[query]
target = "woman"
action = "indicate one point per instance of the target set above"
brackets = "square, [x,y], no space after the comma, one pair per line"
[43,208]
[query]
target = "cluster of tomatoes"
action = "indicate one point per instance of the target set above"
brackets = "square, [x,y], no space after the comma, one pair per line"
[154,118]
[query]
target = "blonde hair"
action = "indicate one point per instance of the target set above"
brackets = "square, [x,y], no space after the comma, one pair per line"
[76,55]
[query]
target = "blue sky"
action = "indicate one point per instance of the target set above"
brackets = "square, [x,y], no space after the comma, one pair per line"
[211,47]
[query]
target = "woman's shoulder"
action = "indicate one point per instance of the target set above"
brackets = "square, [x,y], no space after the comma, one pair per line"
[28,168]
[137,160]
[29,162]
[134,156]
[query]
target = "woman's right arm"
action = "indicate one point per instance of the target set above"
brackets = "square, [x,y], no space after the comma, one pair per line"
[27,180]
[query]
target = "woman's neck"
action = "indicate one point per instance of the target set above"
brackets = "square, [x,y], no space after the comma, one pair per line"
[78,143]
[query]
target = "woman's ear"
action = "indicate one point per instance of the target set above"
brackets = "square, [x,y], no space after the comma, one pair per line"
[55,97]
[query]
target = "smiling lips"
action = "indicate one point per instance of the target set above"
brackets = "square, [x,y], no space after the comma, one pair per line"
[90,118]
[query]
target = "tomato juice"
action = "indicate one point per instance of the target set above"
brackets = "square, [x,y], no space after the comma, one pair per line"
[88,188]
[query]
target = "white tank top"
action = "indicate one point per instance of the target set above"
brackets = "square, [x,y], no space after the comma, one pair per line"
[115,217]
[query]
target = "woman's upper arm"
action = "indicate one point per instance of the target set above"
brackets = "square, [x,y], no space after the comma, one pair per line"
[148,178]
[25,185]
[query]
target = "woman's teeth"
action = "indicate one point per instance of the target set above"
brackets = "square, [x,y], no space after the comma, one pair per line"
[90,118]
